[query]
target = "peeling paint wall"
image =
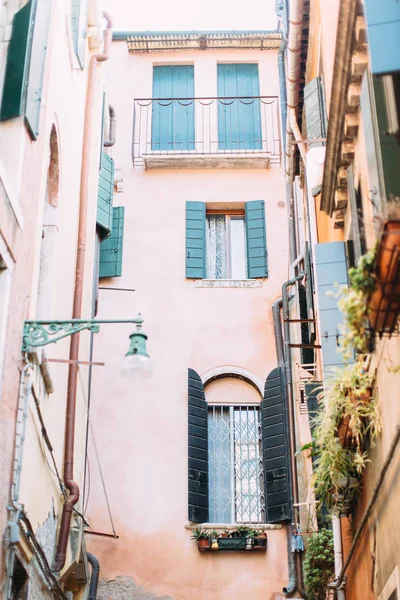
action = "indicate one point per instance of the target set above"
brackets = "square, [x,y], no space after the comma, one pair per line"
[125,588]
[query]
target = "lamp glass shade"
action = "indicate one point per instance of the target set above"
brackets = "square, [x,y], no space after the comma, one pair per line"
[137,363]
[137,366]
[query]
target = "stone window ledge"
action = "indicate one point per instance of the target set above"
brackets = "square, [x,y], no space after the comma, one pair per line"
[229,283]
[232,527]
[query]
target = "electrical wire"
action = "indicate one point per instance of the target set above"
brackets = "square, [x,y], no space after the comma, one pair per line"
[97,457]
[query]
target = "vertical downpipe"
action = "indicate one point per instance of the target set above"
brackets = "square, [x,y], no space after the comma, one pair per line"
[69,443]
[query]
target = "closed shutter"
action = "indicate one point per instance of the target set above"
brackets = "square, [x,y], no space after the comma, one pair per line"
[17,66]
[111,248]
[198,450]
[173,120]
[355,217]
[195,240]
[307,354]
[331,268]
[79,29]
[239,120]
[105,196]
[37,64]
[276,450]
[383,19]
[257,257]
[314,111]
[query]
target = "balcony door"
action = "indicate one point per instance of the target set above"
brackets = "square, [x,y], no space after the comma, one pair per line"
[173,109]
[239,118]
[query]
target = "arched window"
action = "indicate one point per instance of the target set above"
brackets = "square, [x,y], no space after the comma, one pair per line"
[235,472]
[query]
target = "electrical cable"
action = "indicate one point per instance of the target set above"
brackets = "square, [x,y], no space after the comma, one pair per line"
[98,458]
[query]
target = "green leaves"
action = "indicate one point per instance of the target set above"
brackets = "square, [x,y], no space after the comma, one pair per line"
[319,564]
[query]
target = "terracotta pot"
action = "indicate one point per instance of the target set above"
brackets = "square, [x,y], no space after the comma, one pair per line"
[384,303]
[203,544]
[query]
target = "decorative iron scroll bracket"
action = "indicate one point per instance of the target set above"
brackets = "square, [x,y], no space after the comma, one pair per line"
[42,333]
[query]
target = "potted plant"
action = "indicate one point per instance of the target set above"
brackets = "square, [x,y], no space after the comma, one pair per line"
[319,564]
[213,536]
[201,536]
[225,533]
[260,541]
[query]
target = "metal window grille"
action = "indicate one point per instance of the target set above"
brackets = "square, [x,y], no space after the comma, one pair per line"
[236,487]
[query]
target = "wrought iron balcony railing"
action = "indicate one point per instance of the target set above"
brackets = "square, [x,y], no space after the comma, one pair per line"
[204,128]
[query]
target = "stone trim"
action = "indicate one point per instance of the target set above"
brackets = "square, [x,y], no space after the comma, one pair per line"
[229,283]
[232,526]
[233,371]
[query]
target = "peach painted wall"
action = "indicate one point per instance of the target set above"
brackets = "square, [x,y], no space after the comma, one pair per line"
[26,163]
[141,428]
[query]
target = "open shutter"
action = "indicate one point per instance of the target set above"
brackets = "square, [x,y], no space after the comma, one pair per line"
[111,247]
[16,72]
[105,195]
[79,29]
[198,450]
[383,20]
[331,266]
[257,257]
[195,240]
[37,64]
[276,451]
[314,111]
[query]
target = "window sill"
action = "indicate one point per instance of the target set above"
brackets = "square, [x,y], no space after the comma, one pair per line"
[232,527]
[229,283]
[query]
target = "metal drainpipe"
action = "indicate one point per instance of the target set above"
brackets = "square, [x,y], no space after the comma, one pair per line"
[71,485]
[276,315]
[113,127]
[291,420]
[94,578]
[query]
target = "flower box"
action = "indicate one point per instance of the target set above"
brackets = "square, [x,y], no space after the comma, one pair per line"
[232,543]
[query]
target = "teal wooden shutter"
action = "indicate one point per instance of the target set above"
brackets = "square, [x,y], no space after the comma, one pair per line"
[198,450]
[257,258]
[173,119]
[79,29]
[17,66]
[37,65]
[105,196]
[195,240]
[390,150]
[111,248]
[383,19]
[276,450]
[314,111]
[331,268]
[371,138]
[239,122]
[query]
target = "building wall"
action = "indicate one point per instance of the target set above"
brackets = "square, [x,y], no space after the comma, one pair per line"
[141,428]
[24,171]
[378,552]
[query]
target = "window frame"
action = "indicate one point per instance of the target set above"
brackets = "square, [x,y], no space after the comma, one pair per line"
[229,214]
[261,519]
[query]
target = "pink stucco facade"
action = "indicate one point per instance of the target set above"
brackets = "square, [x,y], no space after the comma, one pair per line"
[141,428]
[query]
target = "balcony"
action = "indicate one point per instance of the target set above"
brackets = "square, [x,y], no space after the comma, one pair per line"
[236,132]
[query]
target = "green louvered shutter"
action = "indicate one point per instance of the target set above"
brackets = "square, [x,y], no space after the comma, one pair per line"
[383,19]
[111,248]
[314,111]
[79,29]
[276,450]
[17,66]
[105,195]
[257,257]
[195,240]
[331,267]
[37,64]
[198,450]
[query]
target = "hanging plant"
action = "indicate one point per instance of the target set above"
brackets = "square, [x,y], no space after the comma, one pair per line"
[353,302]
[349,396]
[319,565]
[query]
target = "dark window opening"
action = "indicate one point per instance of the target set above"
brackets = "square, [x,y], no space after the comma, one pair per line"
[360,220]
[20,580]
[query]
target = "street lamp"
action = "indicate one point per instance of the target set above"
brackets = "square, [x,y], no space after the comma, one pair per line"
[136,363]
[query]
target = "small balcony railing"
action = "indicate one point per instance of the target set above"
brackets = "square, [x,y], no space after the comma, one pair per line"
[206,131]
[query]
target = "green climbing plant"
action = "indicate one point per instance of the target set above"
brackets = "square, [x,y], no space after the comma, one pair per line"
[319,565]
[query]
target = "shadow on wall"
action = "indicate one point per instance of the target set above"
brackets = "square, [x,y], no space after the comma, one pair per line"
[125,588]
